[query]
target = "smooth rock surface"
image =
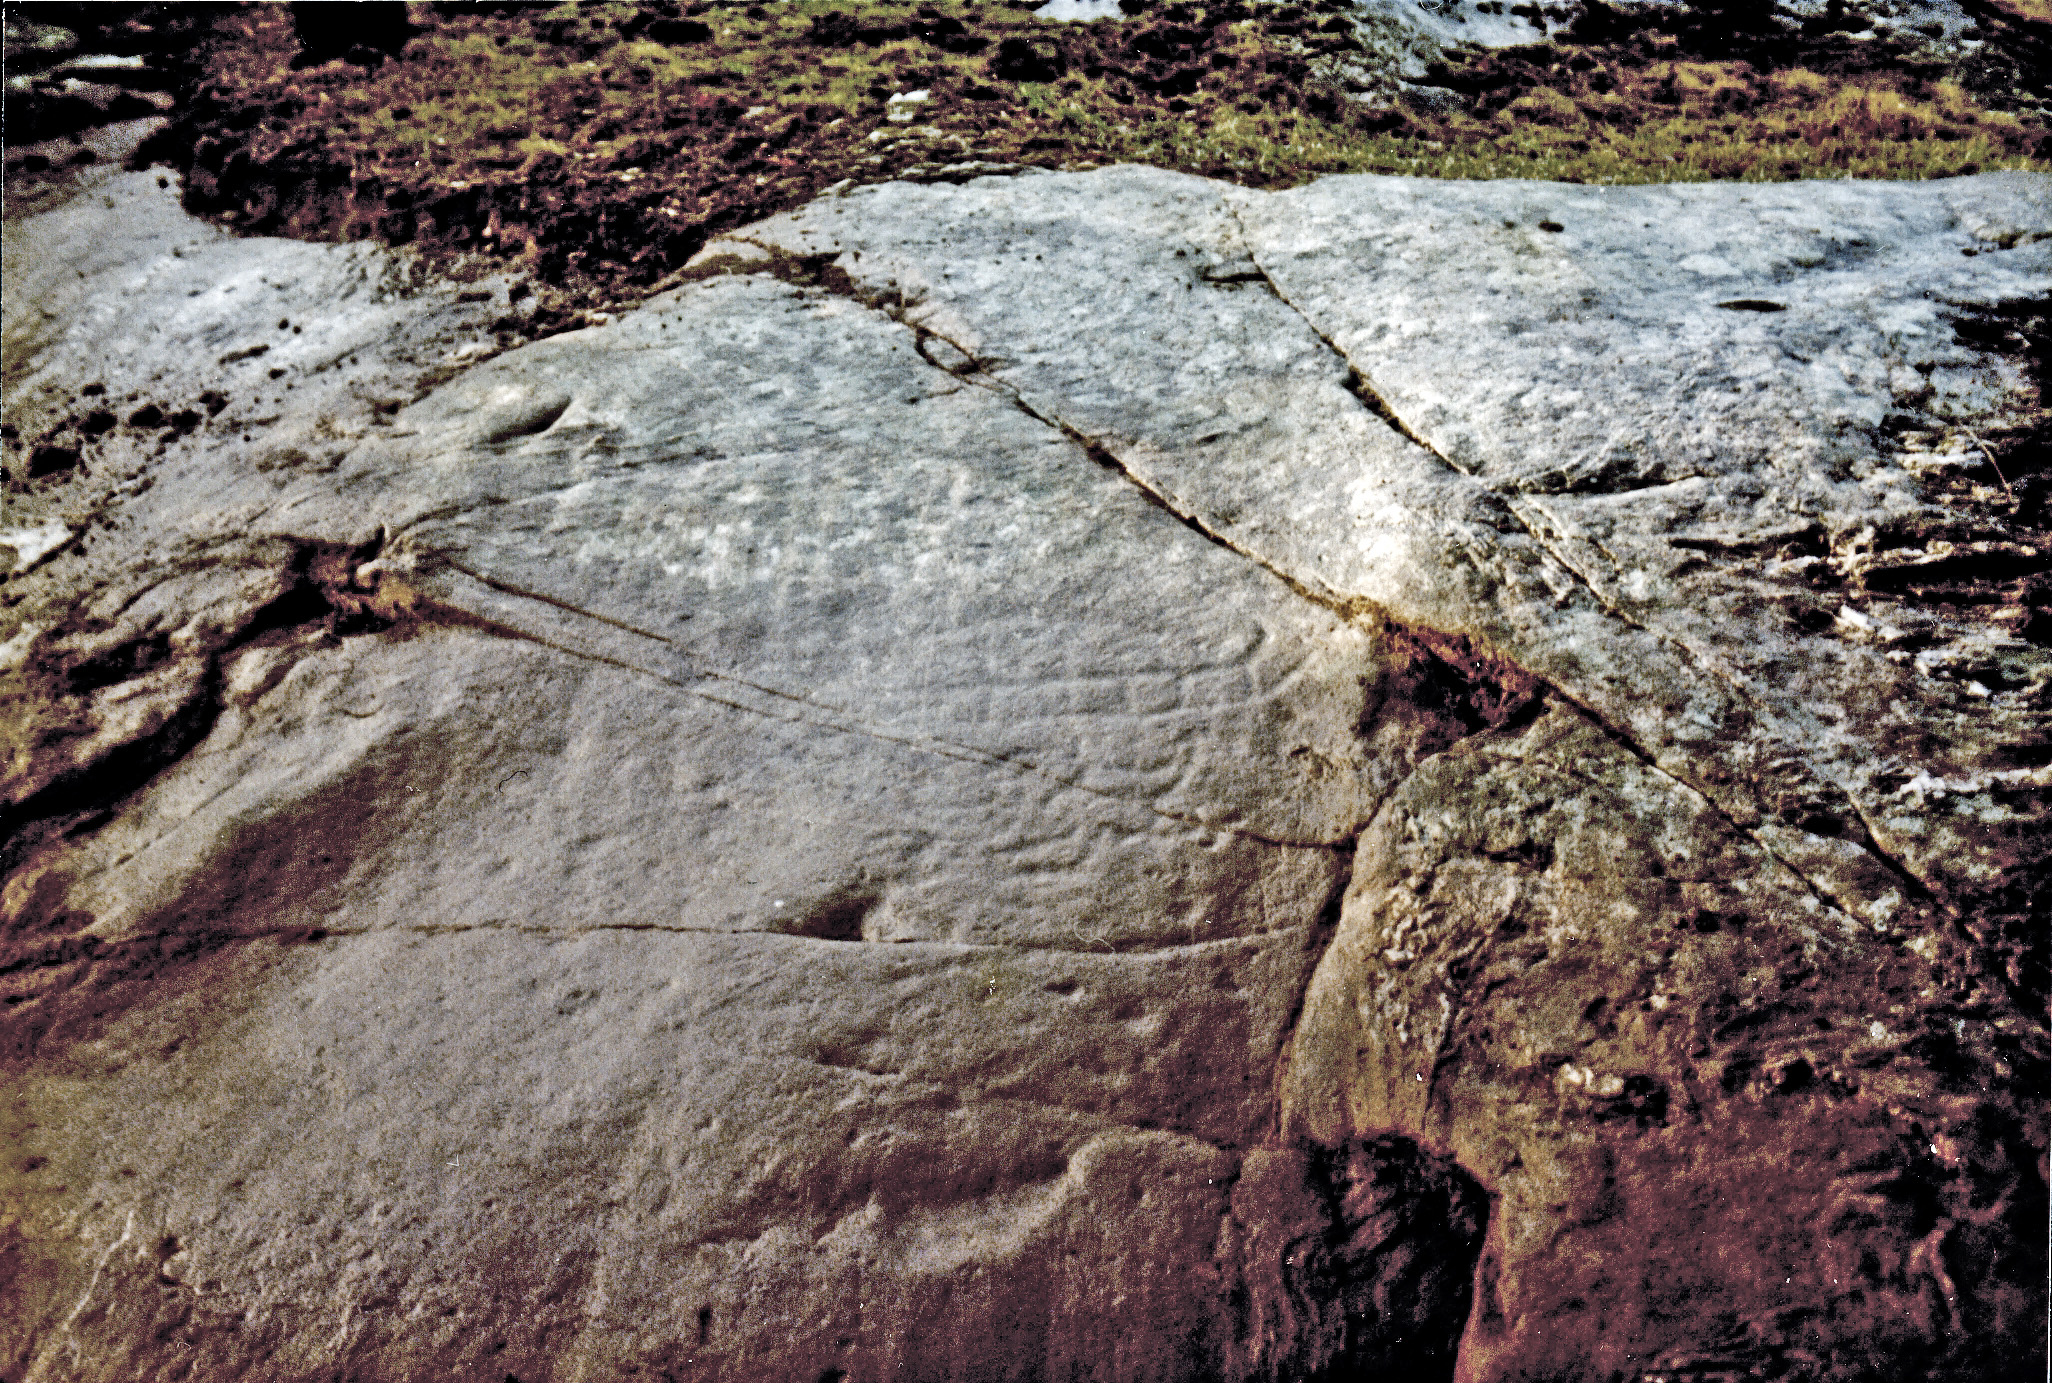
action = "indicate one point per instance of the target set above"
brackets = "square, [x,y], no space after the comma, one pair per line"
[1087,775]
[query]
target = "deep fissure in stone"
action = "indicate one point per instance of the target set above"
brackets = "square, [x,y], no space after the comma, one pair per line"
[1407,1233]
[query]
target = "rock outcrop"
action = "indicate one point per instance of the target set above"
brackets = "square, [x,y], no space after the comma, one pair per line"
[1080,775]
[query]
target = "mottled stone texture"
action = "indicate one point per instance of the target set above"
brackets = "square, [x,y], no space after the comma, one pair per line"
[1084,776]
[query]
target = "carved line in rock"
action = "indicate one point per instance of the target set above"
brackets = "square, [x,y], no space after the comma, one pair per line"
[824,272]
[99,950]
[1513,686]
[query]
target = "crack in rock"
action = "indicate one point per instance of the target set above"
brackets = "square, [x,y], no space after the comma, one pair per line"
[1372,399]
[1890,887]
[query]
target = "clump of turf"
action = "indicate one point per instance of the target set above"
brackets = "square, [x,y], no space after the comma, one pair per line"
[602,144]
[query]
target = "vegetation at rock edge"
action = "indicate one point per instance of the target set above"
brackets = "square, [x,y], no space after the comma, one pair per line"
[602,144]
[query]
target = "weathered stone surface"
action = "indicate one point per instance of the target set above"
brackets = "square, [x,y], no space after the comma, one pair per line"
[1733,1138]
[1691,614]
[749,841]
[1399,37]
[705,703]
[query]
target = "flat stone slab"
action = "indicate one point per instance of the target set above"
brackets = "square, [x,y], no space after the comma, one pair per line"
[1077,774]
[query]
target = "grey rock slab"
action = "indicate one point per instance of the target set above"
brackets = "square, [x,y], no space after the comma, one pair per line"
[1941,27]
[1071,11]
[1443,25]
[1402,34]
[284,354]
[784,835]
[1208,338]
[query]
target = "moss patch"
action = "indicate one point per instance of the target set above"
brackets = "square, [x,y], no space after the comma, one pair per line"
[603,144]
